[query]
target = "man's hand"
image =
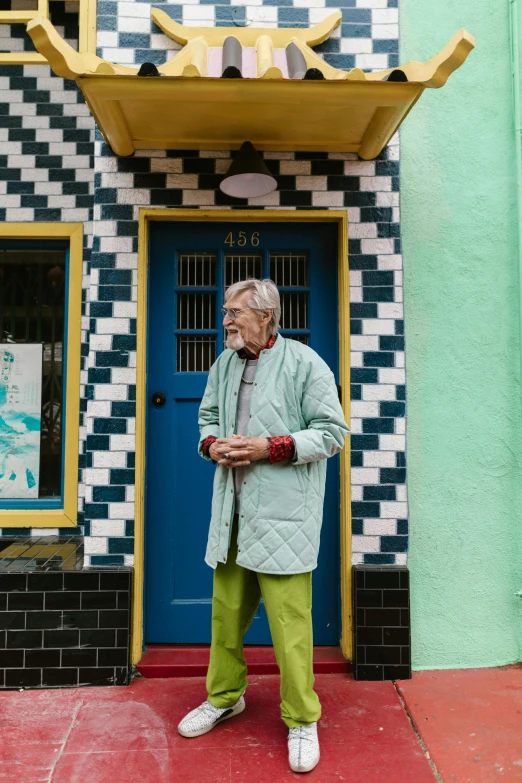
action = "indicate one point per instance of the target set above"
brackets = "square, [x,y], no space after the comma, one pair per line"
[240,450]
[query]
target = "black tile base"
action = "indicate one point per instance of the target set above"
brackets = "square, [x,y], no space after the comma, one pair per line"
[61,624]
[381,611]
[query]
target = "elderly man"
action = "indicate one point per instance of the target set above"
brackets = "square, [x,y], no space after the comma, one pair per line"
[269,418]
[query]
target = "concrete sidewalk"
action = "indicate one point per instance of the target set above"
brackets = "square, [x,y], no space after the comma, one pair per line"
[470,726]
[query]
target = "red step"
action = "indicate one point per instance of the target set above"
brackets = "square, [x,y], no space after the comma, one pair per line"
[177,660]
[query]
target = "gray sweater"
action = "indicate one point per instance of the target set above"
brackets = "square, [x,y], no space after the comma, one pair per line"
[243,415]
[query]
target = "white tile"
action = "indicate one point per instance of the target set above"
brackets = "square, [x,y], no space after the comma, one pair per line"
[366,543]
[377,246]
[356,359]
[182,181]
[112,326]
[95,545]
[400,426]
[124,309]
[363,231]
[392,261]
[128,561]
[109,38]
[379,459]
[375,183]
[385,32]
[124,375]
[134,196]
[119,56]
[198,198]
[377,326]
[135,10]
[359,342]
[109,459]
[401,558]
[328,199]
[110,391]
[121,510]
[359,168]
[385,16]
[387,199]
[364,476]
[356,45]
[371,61]
[99,408]
[355,426]
[310,183]
[116,527]
[357,559]
[355,276]
[394,509]
[364,409]
[134,24]
[96,476]
[174,165]
[378,391]
[295,167]
[270,200]
[390,309]
[379,527]
[392,375]
[392,443]
[401,492]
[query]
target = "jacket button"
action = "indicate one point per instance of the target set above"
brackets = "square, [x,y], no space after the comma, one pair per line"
[238,550]
[226,524]
[244,482]
[242,515]
[235,394]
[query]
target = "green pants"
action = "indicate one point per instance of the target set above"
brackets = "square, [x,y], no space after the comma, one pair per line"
[288,604]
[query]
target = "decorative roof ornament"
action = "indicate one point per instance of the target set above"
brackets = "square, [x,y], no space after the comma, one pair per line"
[230,84]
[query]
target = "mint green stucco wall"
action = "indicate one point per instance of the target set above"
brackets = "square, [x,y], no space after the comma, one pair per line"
[464,433]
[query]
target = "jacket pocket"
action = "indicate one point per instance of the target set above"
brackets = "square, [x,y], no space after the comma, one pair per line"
[282,494]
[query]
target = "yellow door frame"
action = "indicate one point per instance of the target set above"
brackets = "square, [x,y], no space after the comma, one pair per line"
[146,216]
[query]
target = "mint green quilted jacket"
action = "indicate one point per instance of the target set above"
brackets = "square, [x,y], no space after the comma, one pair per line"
[294,394]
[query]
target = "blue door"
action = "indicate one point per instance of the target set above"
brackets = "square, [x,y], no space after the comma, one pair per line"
[190,266]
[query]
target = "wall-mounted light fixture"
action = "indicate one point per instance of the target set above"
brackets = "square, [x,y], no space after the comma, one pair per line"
[248,175]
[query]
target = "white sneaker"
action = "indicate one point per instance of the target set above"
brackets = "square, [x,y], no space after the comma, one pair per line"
[303,748]
[206,716]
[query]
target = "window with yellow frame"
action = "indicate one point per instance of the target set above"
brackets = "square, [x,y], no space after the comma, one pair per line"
[40,322]
[19,12]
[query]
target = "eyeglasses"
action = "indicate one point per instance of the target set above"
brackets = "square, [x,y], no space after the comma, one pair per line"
[232,312]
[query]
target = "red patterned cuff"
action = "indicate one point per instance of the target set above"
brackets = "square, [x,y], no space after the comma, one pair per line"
[282,448]
[207,443]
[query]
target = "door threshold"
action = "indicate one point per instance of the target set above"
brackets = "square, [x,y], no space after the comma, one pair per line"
[179,660]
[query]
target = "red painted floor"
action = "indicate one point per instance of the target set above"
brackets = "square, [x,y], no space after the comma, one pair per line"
[118,735]
[471,722]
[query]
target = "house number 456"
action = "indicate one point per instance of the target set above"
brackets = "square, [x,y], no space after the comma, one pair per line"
[241,240]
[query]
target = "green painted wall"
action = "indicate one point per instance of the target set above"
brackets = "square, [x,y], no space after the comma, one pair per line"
[464,432]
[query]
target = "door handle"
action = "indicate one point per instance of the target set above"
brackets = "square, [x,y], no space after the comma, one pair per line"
[159,399]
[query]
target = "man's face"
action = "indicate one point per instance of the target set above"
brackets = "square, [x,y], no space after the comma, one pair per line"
[247,329]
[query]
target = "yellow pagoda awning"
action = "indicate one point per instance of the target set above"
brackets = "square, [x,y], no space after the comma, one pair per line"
[281,94]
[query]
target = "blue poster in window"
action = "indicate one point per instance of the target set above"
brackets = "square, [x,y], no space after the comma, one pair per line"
[20,420]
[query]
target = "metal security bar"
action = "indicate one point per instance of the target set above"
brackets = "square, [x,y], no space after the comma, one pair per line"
[197,270]
[196,311]
[240,266]
[196,353]
[289,270]
[294,311]
[32,305]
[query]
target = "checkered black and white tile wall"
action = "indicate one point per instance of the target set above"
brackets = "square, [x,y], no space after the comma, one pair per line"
[46,158]
[368,38]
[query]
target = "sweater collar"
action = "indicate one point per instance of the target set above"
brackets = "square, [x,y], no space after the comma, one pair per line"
[245,355]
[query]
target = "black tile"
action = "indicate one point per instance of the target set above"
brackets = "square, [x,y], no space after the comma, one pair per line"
[19,678]
[121,675]
[382,579]
[369,635]
[118,618]
[405,579]
[122,637]
[405,617]
[113,657]
[23,639]
[80,619]
[98,638]
[59,676]
[397,636]
[398,598]
[368,672]
[396,673]
[123,599]
[81,580]
[11,659]
[41,658]
[3,602]
[99,599]
[2,678]
[383,655]
[85,657]
[62,638]
[12,619]
[64,600]
[43,620]
[45,581]
[368,598]
[96,676]
[24,601]
[115,580]
[406,656]
[383,617]
[2,640]
[10,583]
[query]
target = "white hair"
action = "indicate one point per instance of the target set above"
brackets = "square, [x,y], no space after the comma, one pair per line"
[265,296]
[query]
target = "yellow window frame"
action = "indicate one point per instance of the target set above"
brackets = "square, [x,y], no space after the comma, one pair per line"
[66,516]
[86,25]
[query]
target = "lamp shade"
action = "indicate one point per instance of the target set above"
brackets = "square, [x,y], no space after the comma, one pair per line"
[248,175]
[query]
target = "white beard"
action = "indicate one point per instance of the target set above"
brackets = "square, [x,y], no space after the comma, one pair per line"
[235,341]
